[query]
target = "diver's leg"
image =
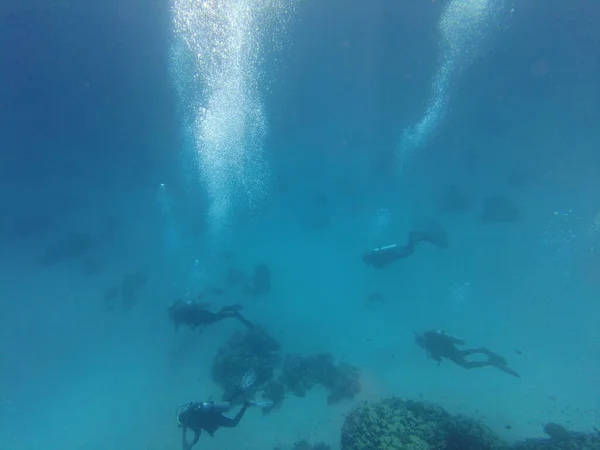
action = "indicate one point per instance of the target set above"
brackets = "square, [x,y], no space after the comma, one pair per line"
[244,321]
[507,370]
[460,361]
[433,232]
[227,422]
[458,358]
[184,442]
[473,351]
[494,360]
[222,315]
[414,237]
[499,362]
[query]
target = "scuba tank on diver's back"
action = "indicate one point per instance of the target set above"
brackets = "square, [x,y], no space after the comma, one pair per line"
[381,256]
[215,407]
[184,412]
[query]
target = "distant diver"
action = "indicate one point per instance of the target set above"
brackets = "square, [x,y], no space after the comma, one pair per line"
[196,314]
[440,344]
[381,257]
[208,416]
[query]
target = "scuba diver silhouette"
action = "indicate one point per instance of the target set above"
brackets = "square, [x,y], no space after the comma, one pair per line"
[208,416]
[440,344]
[381,257]
[195,314]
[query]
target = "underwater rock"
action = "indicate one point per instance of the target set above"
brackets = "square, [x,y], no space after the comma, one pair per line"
[556,432]
[305,445]
[254,349]
[274,391]
[499,209]
[561,439]
[300,374]
[393,424]
[454,200]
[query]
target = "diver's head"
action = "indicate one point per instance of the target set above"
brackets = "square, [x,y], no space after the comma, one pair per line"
[421,341]
[184,414]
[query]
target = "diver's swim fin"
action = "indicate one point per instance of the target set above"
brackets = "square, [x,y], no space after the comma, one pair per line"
[508,371]
[261,403]
[244,321]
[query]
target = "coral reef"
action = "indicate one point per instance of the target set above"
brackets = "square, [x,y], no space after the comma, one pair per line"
[305,445]
[300,374]
[257,349]
[561,439]
[274,390]
[395,424]
[254,349]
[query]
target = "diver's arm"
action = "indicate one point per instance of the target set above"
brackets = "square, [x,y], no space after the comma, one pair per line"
[227,422]
[186,445]
[195,440]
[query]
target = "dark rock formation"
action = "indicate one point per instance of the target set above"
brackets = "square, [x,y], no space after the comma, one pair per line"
[254,349]
[300,374]
[561,439]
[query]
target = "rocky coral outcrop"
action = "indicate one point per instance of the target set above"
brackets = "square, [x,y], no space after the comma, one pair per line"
[254,349]
[395,424]
[561,439]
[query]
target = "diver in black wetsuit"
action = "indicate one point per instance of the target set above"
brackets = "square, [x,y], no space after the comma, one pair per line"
[383,256]
[208,416]
[195,314]
[440,344]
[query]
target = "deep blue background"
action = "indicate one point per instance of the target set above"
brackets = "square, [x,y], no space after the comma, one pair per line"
[87,103]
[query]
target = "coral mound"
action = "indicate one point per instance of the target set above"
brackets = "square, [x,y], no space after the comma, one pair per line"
[395,424]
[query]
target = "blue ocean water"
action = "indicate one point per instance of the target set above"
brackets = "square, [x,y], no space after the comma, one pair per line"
[263,156]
